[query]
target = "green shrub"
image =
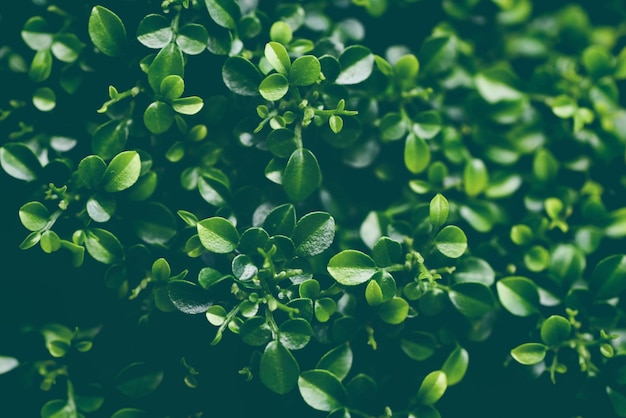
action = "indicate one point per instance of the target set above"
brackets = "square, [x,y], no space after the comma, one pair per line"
[328,208]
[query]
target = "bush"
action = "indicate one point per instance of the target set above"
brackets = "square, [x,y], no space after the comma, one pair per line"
[346,209]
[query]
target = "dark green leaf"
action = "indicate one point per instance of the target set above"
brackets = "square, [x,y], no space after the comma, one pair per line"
[157,224]
[338,361]
[295,334]
[282,142]
[241,76]
[437,54]
[255,331]
[138,380]
[107,32]
[608,278]
[351,267]
[473,300]
[281,220]
[188,297]
[321,390]
[109,139]
[418,345]
[129,413]
[278,369]
[302,175]
[225,13]
[313,233]
[218,235]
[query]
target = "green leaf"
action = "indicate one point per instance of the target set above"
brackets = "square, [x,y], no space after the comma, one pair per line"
[473,269]
[44,99]
[122,172]
[618,401]
[169,61]
[362,392]
[416,153]
[244,268]
[432,388]
[241,76]
[406,69]
[529,353]
[103,246]
[41,66]
[188,105]
[537,258]
[305,71]
[545,166]
[309,289]
[66,47]
[386,252]
[438,212]
[274,87]
[225,13]
[336,123]
[278,368]
[597,61]
[322,390]
[302,175]
[373,293]
[138,380]
[155,31]
[36,33]
[418,345]
[282,142]
[192,38]
[555,330]
[324,308]
[473,300]
[338,361]
[392,126]
[475,177]
[295,334]
[281,32]
[188,297]
[281,220]
[255,331]
[172,87]
[209,276]
[357,63]
[19,161]
[34,216]
[394,311]
[156,225]
[427,124]
[129,413]
[519,295]
[7,364]
[456,365]
[608,278]
[58,408]
[101,207]
[278,57]
[451,241]
[567,263]
[496,85]
[438,54]
[351,267]
[107,32]
[218,235]
[563,106]
[313,234]
[109,139]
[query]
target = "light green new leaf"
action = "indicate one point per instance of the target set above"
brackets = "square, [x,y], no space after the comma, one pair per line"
[274,87]
[19,161]
[122,172]
[225,13]
[438,212]
[295,333]
[158,117]
[34,216]
[357,63]
[393,311]
[313,233]
[218,235]
[172,87]
[107,31]
[40,66]
[188,105]
[529,353]
[473,300]
[169,61]
[103,246]
[338,361]
[91,170]
[432,388]
[555,330]
[456,365]
[351,267]
[278,57]
[302,175]
[278,368]
[322,390]
[451,241]
[519,295]
[305,71]
[416,153]
[155,31]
